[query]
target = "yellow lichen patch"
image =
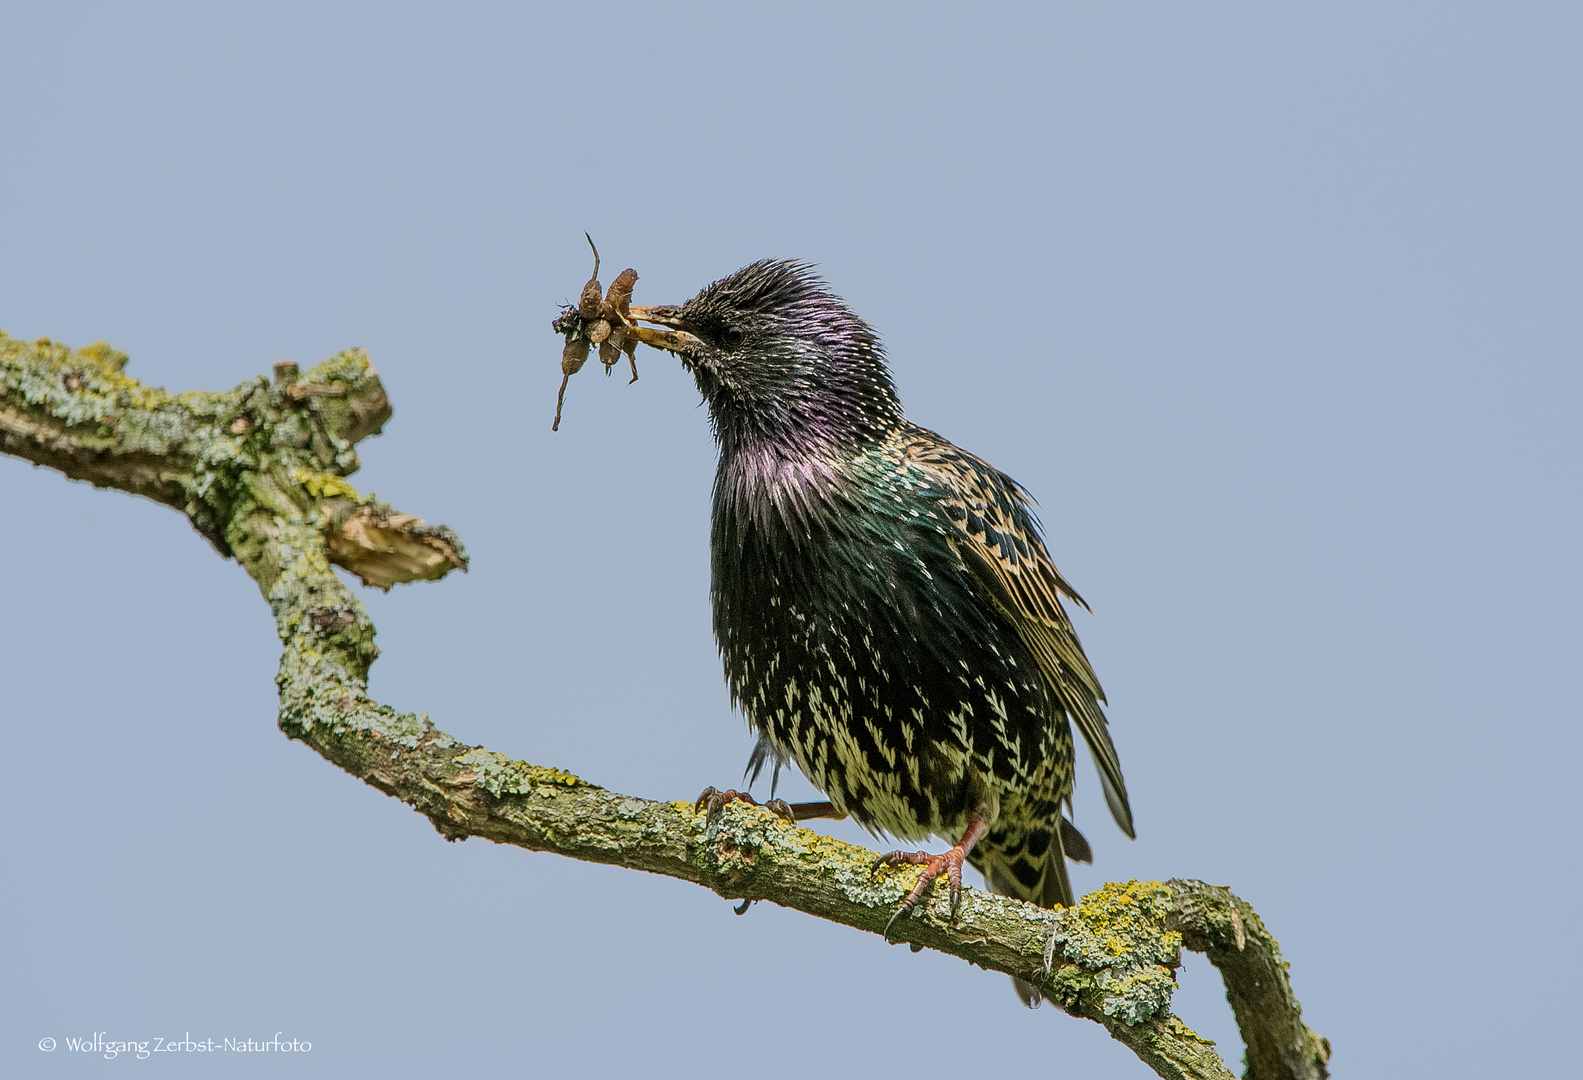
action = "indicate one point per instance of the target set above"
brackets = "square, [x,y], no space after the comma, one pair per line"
[1118,932]
[322,485]
[1174,1025]
[347,365]
[1120,908]
[104,356]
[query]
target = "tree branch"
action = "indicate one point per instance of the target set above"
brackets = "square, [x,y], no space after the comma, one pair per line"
[258,471]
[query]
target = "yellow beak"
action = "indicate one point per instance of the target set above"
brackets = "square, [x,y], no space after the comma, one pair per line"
[671,339]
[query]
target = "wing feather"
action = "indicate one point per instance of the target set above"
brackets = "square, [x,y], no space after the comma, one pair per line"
[998,539]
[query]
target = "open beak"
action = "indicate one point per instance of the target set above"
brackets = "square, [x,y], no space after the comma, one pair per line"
[672,338]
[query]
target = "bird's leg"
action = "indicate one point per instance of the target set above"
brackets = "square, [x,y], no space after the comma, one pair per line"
[949,864]
[804,811]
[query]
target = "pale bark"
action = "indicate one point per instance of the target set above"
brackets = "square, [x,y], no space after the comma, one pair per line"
[258,471]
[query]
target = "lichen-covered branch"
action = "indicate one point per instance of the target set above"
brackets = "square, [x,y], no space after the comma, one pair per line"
[259,471]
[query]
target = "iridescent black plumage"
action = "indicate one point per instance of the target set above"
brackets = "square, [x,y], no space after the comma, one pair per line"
[888,616]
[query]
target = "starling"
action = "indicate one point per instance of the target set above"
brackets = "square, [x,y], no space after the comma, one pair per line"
[888,616]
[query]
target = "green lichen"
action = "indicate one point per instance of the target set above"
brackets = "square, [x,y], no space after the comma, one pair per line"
[1114,936]
[749,846]
[500,775]
[96,393]
[347,366]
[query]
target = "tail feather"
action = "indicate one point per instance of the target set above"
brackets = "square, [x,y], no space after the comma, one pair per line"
[1075,844]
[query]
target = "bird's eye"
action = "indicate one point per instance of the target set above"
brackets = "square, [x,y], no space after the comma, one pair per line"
[732,337]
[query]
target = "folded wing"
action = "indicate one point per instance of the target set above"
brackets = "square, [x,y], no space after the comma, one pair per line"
[999,541]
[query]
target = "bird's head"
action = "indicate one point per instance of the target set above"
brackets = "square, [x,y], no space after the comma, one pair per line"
[778,357]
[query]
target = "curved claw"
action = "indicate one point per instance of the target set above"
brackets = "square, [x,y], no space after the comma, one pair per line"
[712,799]
[905,909]
[949,864]
[742,908]
[715,800]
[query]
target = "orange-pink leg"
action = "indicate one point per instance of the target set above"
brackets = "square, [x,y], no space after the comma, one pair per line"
[949,864]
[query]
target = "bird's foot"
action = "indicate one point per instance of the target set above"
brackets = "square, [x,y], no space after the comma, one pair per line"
[713,801]
[794,812]
[949,864]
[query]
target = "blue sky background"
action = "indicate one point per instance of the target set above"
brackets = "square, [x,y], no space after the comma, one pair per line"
[1276,310]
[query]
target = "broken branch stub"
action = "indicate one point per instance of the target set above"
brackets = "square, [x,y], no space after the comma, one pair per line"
[385,548]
